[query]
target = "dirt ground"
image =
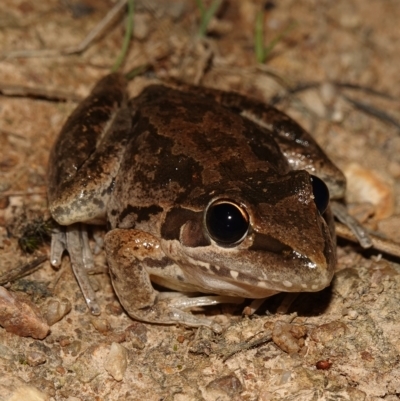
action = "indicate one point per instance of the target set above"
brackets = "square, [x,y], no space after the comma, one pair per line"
[336,71]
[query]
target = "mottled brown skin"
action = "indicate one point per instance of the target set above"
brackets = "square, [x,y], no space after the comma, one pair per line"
[167,156]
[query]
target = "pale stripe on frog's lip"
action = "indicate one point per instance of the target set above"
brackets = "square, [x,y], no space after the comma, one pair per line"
[243,278]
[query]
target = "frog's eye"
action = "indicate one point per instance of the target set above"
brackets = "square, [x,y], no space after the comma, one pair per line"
[321,194]
[226,222]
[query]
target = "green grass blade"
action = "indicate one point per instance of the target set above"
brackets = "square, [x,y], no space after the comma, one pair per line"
[201,7]
[207,14]
[127,37]
[268,49]
[259,38]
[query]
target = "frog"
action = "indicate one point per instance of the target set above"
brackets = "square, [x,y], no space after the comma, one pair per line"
[207,197]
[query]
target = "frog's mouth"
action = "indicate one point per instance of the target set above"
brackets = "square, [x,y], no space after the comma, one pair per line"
[271,272]
[279,241]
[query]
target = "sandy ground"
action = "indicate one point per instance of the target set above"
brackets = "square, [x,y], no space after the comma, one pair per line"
[342,343]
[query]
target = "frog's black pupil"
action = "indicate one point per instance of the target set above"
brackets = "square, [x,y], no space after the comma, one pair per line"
[226,223]
[321,194]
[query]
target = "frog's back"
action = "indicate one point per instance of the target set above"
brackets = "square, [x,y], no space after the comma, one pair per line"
[182,143]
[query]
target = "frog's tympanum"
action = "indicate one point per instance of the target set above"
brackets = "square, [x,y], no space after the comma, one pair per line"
[202,191]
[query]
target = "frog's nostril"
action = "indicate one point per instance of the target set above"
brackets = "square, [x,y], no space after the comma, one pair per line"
[226,222]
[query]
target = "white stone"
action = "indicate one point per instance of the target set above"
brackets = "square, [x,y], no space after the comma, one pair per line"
[116,361]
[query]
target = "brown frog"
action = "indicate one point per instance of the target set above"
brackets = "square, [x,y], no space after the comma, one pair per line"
[203,191]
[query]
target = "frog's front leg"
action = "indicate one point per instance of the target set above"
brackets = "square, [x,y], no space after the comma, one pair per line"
[131,254]
[82,167]
[74,238]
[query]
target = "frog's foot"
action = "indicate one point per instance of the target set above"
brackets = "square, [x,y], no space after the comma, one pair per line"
[340,212]
[167,312]
[352,230]
[169,308]
[75,240]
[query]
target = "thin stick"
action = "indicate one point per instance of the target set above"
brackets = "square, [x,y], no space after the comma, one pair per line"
[86,42]
[38,93]
[245,346]
[22,270]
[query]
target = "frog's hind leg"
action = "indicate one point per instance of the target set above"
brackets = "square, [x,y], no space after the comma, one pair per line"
[131,255]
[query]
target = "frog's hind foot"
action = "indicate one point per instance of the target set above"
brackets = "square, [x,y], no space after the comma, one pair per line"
[170,308]
[341,213]
[188,319]
[167,311]
[188,301]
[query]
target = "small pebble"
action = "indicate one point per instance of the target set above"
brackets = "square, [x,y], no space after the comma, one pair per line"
[61,370]
[328,332]
[366,185]
[116,361]
[56,309]
[323,365]
[180,339]
[288,337]
[64,342]
[35,358]
[21,317]
[137,334]
[352,314]
[114,308]
[12,388]
[103,326]
[229,384]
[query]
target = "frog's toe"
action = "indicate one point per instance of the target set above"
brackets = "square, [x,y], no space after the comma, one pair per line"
[81,260]
[58,246]
[98,236]
[187,319]
[185,302]
[87,255]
